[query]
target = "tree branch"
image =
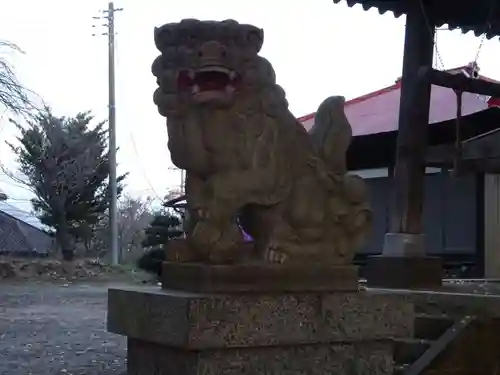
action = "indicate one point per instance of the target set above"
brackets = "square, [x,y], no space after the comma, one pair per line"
[13,96]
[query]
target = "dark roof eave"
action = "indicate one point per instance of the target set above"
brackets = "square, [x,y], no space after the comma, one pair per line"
[397,9]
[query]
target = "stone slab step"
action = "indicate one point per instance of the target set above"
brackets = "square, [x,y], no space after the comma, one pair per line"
[408,350]
[431,327]
[400,369]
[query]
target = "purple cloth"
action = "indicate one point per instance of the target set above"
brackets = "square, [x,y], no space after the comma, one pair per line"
[246,236]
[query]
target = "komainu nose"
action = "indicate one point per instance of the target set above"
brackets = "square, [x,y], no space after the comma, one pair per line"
[212,51]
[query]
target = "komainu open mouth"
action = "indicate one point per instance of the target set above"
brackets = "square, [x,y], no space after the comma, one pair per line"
[213,78]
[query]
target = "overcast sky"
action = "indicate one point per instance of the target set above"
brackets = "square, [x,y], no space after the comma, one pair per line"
[317,49]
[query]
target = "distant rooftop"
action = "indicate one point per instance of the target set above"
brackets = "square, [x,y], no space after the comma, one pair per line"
[378,111]
[21,215]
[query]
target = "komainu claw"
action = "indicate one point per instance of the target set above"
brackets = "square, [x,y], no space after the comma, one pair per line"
[275,256]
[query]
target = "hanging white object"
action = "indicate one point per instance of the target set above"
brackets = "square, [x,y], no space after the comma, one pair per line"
[471,70]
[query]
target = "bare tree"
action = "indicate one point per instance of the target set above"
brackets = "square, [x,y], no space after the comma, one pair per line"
[134,215]
[13,96]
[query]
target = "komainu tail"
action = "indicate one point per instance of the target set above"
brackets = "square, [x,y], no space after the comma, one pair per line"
[332,133]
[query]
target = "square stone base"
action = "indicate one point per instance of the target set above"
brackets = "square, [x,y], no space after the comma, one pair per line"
[172,332]
[145,358]
[207,321]
[405,272]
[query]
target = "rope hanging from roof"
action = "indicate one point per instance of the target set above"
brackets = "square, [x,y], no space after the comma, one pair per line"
[473,72]
[458,136]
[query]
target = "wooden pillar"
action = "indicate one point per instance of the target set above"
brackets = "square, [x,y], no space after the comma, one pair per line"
[491,226]
[409,172]
[403,263]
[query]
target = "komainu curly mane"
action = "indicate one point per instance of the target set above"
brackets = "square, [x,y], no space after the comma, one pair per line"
[247,157]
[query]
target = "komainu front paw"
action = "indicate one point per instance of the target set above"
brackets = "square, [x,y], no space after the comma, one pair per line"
[201,214]
[178,250]
[217,245]
[274,255]
[204,235]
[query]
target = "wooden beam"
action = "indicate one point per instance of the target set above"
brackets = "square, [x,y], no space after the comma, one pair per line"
[441,158]
[174,201]
[440,155]
[482,147]
[461,82]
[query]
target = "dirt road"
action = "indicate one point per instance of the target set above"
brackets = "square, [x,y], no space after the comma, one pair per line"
[49,329]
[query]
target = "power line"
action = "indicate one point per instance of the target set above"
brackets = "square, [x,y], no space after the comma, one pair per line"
[134,146]
[136,149]
[141,165]
[11,181]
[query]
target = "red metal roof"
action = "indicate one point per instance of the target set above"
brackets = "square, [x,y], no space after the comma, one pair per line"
[378,112]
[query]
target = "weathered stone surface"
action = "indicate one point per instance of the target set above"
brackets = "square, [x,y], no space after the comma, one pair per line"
[263,277]
[447,301]
[196,321]
[404,245]
[248,158]
[347,359]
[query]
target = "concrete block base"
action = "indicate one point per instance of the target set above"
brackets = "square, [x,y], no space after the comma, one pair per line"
[404,272]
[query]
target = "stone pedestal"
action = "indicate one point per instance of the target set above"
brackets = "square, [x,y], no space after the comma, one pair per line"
[246,278]
[404,264]
[315,332]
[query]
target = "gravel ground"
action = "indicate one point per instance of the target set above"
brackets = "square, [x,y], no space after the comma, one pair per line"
[48,329]
[57,329]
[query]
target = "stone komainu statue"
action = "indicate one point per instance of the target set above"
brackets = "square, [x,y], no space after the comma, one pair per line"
[246,155]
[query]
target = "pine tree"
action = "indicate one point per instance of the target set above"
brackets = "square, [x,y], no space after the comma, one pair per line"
[161,230]
[65,163]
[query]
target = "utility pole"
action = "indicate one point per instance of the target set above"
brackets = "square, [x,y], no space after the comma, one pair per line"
[183,179]
[113,206]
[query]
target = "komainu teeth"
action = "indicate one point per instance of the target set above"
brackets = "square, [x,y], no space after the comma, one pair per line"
[232,75]
[191,74]
[229,89]
[219,69]
[196,89]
